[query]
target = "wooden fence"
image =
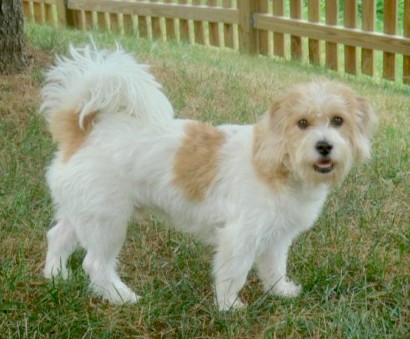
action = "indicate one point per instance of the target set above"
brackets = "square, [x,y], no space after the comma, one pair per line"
[368,36]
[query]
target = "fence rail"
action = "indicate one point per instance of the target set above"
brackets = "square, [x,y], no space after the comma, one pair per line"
[368,37]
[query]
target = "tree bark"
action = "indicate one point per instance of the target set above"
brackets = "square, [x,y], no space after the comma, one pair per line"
[13,56]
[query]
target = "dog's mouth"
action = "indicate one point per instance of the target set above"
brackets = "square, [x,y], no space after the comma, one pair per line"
[324,166]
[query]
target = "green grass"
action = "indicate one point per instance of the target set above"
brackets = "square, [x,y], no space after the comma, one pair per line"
[354,265]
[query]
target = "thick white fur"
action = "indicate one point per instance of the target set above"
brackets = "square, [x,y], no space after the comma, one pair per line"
[104,82]
[126,167]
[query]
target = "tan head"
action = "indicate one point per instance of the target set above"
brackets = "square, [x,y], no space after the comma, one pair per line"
[314,132]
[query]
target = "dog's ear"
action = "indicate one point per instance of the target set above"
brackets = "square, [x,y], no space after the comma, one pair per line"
[269,152]
[367,117]
[367,121]
[274,109]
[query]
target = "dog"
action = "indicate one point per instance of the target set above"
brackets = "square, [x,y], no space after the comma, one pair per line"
[246,190]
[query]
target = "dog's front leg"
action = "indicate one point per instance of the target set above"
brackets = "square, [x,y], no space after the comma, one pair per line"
[271,265]
[232,263]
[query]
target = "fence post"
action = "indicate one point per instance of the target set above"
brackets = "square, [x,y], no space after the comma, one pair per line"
[64,14]
[248,38]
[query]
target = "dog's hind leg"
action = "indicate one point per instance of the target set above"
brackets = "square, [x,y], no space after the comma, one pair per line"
[62,241]
[103,239]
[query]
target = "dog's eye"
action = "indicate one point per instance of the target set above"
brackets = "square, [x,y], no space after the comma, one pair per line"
[303,124]
[336,121]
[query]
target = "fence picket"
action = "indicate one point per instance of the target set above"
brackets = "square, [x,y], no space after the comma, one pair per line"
[183,25]
[314,45]
[199,35]
[128,23]
[390,27]
[350,21]
[213,27]
[82,21]
[228,28]
[332,18]
[38,9]
[88,17]
[77,18]
[406,31]
[64,15]
[27,10]
[142,26]
[296,41]
[114,23]
[102,23]
[368,64]
[49,14]
[263,35]
[278,38]
[156,25]
[170,26]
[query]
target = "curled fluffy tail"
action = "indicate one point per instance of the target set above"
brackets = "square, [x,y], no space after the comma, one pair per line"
[93,83]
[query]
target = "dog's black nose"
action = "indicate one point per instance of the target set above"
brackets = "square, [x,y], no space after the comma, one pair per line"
[323,147]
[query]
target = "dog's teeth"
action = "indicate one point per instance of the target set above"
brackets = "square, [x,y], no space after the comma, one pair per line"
[324,166]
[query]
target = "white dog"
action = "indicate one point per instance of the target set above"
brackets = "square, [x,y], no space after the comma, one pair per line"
[247,190]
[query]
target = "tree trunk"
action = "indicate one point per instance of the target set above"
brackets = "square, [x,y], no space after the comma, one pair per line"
[13,57]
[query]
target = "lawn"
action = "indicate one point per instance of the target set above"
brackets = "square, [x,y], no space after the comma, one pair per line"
[354,265]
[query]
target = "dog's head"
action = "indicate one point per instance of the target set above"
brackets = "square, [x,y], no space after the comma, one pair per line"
[314,132]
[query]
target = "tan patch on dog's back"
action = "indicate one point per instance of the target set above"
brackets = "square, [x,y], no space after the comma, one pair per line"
[196,161]
[65,129]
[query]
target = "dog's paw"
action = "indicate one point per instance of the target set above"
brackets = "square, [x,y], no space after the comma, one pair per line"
[119,294]
[226,306]
[286,288]
[128,297]
[53,270]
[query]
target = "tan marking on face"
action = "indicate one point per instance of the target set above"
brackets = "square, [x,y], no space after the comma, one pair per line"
[65,129]
[196,161]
